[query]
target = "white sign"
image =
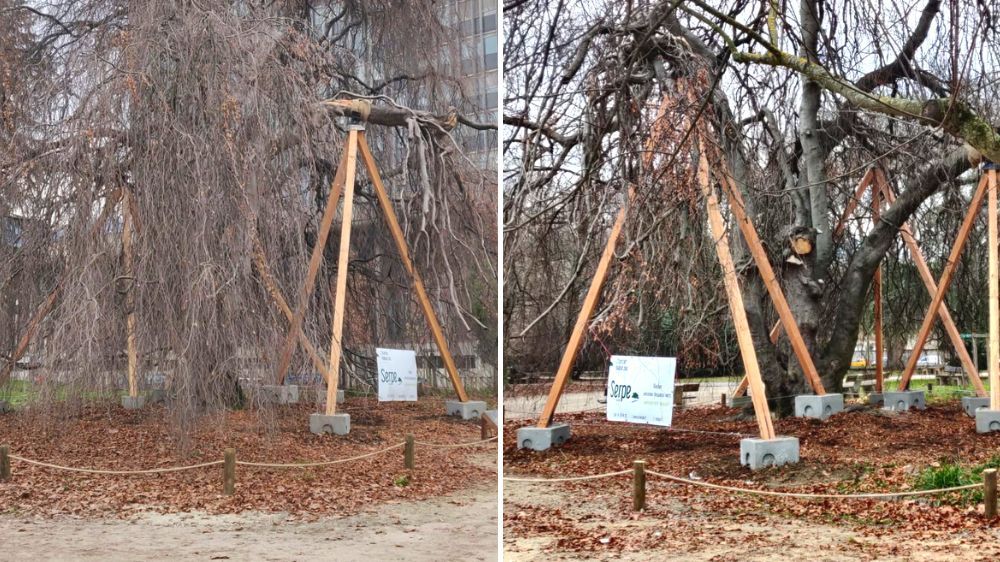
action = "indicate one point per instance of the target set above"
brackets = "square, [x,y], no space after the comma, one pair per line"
[397,375]
[641,389]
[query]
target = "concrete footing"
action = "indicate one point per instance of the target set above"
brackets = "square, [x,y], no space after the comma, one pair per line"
[542,438]
[279,394]
[972,403]
[337,424]
[157,396]
[818,406]
[987,421]
[760,453]
[133,402]
[905,400]
[4,407]
[494,417]
[876,399]
[469,410]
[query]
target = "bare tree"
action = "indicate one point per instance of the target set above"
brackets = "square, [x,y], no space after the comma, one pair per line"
[800,98]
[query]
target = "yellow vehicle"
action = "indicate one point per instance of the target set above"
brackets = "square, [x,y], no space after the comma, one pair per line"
[859,362]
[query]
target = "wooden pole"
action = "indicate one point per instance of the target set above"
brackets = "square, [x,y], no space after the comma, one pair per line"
[229,473]
[638,485]
[129,262]
[404,254]
[342,263]
[767,274]
[968,363]
[576,337]
[722,400]
[315,260]
[994,349]
[743,337]
[944,283]
[4,463]
[990,492]
[877,290]
[409,452]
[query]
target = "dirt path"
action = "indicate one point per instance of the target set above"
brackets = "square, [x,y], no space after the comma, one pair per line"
[679,532]
[460,526]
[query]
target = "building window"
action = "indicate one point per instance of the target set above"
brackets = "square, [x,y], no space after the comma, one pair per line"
[490,52]
[489,22]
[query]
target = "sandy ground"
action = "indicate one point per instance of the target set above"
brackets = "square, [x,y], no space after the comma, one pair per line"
[459,526]
[679,532]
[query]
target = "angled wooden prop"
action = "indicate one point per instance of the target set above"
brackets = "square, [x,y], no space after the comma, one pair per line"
[945,282]
[968,364]
[315,260]
[767,274]
[340,300]
[404,254]
[735,298]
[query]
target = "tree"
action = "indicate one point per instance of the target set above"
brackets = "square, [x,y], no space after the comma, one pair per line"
[801,99]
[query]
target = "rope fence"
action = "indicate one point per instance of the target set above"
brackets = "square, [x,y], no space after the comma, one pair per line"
[230,463]
[639,473]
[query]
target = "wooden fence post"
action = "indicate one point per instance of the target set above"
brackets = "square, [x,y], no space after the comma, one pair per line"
[4,463]
[229,473]
[990,492]
[408,452]
[723,399]
[639,485]
[484,427]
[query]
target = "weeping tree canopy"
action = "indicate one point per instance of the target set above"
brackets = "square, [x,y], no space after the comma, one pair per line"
[219,126]
[798,99]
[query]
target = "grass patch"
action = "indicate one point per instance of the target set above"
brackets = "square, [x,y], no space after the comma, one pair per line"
[950,475]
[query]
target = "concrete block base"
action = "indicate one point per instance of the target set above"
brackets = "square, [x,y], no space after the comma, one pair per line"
[987,421]
[818,406]
[337,424]
[876,399]
[133,402]
[279,394]
[905,400]
[4,407]
[760,453]
[470,410]
[340,397]
[542,438]
[494,417]
[157,396]
[972,403]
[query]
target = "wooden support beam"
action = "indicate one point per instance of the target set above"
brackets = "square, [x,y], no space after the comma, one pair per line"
[129,263]
[968,363]
[994,349]
[315,260]
[944,283]
[876,206]
[336,341]
[404,254]
[767,274]
[743,337]
[589,303]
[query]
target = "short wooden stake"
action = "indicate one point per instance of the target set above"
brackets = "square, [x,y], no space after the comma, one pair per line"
[4,463]
[990,492]
[408,453]
[229,473]
[484,428]
[639,485]
[723,399]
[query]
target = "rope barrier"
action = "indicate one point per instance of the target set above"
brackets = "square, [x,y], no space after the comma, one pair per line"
[454,445]
[569,479]
[802,495]
[806,495]
[319,463]
[99,471]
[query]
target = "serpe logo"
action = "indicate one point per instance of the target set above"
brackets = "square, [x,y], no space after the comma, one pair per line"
[389,377]
[622,392]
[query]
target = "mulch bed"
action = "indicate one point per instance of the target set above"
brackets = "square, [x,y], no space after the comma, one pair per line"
[106,436]
[862,450]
